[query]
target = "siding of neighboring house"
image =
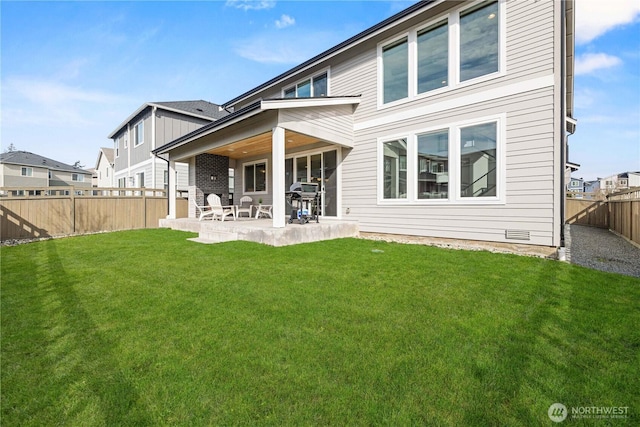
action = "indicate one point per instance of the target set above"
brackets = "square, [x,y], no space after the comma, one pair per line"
[133,160]
[12,176]
[64,178]
[171,125]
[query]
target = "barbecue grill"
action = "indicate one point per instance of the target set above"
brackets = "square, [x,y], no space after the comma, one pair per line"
[304,199]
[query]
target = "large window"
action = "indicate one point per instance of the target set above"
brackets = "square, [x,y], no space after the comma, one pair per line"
[26,171]
[433,57]
[255,177]
[314,87]
[395,71]
[78,177]
[478,163]
[479,37]
[433,165]
[457,164]
[395,169]
[139,133]
[423,60]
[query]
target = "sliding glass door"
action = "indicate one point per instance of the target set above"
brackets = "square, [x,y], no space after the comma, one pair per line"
[320,168]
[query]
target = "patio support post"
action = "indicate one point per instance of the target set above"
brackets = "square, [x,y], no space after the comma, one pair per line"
[277,179]
[171,194]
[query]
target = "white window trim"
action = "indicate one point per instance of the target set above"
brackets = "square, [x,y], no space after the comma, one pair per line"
[135,133]
[79,177]
[453,19]
[117,144]
[26,169]
[310,78]
[454,165]
[266,178]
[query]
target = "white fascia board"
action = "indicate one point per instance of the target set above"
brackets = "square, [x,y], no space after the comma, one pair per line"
[278,104]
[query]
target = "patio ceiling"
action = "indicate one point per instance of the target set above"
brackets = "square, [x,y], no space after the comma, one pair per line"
[262,144]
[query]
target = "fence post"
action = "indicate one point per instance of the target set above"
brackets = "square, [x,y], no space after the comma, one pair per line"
[73,208]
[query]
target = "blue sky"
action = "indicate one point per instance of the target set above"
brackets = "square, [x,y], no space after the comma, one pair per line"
[70,72]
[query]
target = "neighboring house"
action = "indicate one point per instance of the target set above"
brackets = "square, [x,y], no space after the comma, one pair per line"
[24,169]
[628,180]
[450,119]
[619,181]
[150,126]
[104,168]
[576,185]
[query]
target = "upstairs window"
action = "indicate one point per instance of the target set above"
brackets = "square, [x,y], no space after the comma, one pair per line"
[117,144]
[139,133]
[314,87]
[26,171]
[479,41]
[395,71]
[433,57]
[78,177]
[446,53]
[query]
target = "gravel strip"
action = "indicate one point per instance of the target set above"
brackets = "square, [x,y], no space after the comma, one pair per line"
[600,249]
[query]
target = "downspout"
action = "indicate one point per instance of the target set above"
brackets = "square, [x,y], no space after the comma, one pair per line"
[153,146]
[168,179]
[563,121]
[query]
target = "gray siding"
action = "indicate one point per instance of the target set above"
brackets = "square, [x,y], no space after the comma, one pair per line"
[170,126]
[141,152]
[531,110]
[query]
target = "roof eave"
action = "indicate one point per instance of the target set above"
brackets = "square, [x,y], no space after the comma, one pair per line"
[215,125]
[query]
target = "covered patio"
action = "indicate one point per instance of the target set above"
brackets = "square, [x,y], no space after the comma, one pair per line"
[272,130]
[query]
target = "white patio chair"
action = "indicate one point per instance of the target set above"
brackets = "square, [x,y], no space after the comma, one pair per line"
[264,210]
[219,211]
[245,206]
[203,211]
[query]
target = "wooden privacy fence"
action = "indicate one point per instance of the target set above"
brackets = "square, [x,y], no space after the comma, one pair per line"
[27,213]
[619,212]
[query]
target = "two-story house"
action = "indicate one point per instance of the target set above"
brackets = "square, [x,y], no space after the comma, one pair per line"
[575,187]
[152,125]
[104,172]
[29,170]
[450,119]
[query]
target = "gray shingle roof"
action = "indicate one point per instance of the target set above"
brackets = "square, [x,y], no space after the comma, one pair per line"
[24,158]
[200,107]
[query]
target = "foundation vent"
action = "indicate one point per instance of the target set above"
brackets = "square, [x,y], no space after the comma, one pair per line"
[517,235]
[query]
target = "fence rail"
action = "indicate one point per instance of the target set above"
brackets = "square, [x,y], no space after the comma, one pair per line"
[57,211]
[619,212]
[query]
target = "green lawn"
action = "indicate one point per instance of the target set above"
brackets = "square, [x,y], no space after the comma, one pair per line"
[147,328]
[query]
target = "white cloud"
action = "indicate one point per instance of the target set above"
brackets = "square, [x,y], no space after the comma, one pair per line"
[45,102]
[596,17]
[590,62]
[285,21]
[278,48]
[251,4]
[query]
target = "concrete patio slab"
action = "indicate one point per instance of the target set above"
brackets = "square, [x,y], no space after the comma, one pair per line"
[262,230]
